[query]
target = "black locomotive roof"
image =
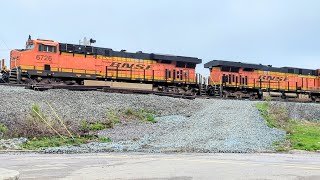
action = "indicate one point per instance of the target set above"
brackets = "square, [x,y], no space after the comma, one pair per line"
[218,63]
[90,50]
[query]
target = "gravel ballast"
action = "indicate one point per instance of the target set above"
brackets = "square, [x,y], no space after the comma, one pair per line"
[201,125]
[16,103]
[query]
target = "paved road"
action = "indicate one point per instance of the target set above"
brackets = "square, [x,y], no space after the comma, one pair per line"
[164,166]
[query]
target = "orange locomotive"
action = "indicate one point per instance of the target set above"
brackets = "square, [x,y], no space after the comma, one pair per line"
[46,60]
[255,81]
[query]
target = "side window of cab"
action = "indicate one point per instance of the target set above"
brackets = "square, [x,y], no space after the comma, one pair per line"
[47,48]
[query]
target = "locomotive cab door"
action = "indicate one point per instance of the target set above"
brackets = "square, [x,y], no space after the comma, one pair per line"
[47,67]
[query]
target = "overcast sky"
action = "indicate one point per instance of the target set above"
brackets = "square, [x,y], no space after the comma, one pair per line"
[277,32]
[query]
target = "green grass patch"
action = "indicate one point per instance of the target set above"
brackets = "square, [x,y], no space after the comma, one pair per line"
[305,135]
[141,114]
[38,143]
[3,128]
[105,140]
[97,126]
[301,135]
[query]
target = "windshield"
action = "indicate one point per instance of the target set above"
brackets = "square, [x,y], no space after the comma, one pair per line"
[30,46]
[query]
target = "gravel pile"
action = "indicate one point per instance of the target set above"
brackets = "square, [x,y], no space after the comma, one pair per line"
[221,126]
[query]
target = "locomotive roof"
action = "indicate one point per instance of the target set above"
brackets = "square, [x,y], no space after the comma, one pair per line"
[81,49]
[218,63]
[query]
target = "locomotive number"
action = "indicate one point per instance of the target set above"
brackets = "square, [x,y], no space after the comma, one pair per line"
[44,58]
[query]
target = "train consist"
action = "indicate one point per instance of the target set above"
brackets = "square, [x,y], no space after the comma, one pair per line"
[50,62]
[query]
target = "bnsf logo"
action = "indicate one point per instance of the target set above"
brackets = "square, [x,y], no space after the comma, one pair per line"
[130,66]
[273,78]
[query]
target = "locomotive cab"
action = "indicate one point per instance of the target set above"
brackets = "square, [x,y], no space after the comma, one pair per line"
[38,53]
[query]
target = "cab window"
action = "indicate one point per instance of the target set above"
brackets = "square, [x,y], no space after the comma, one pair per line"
[47,48]
[30,46]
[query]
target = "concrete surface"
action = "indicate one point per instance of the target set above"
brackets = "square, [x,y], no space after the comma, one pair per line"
[6,174]
[164,166]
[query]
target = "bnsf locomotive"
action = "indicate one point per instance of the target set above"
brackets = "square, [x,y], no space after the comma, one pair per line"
[46,61]
[242,80]
[50,62]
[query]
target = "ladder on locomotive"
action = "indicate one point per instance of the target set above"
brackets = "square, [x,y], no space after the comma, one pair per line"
[15,75]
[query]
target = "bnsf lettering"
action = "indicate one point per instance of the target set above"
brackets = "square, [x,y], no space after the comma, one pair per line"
[273,78]
[130,66]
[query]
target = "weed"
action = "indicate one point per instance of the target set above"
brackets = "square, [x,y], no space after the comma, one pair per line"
[3,128]
[84,126]
[105,140]
[97,126]
[112,119]
[141,114]
[129,112]
[35,111]
[150,118]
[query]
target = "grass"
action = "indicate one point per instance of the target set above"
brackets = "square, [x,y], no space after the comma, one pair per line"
[97,126]
[105,140]
[113,117]
[3,128]
[264,111]
[301,135]
[38,143]
[305,136]
[141,114]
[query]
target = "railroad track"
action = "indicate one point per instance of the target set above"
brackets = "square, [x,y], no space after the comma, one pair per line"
[44,87]
[108,89]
